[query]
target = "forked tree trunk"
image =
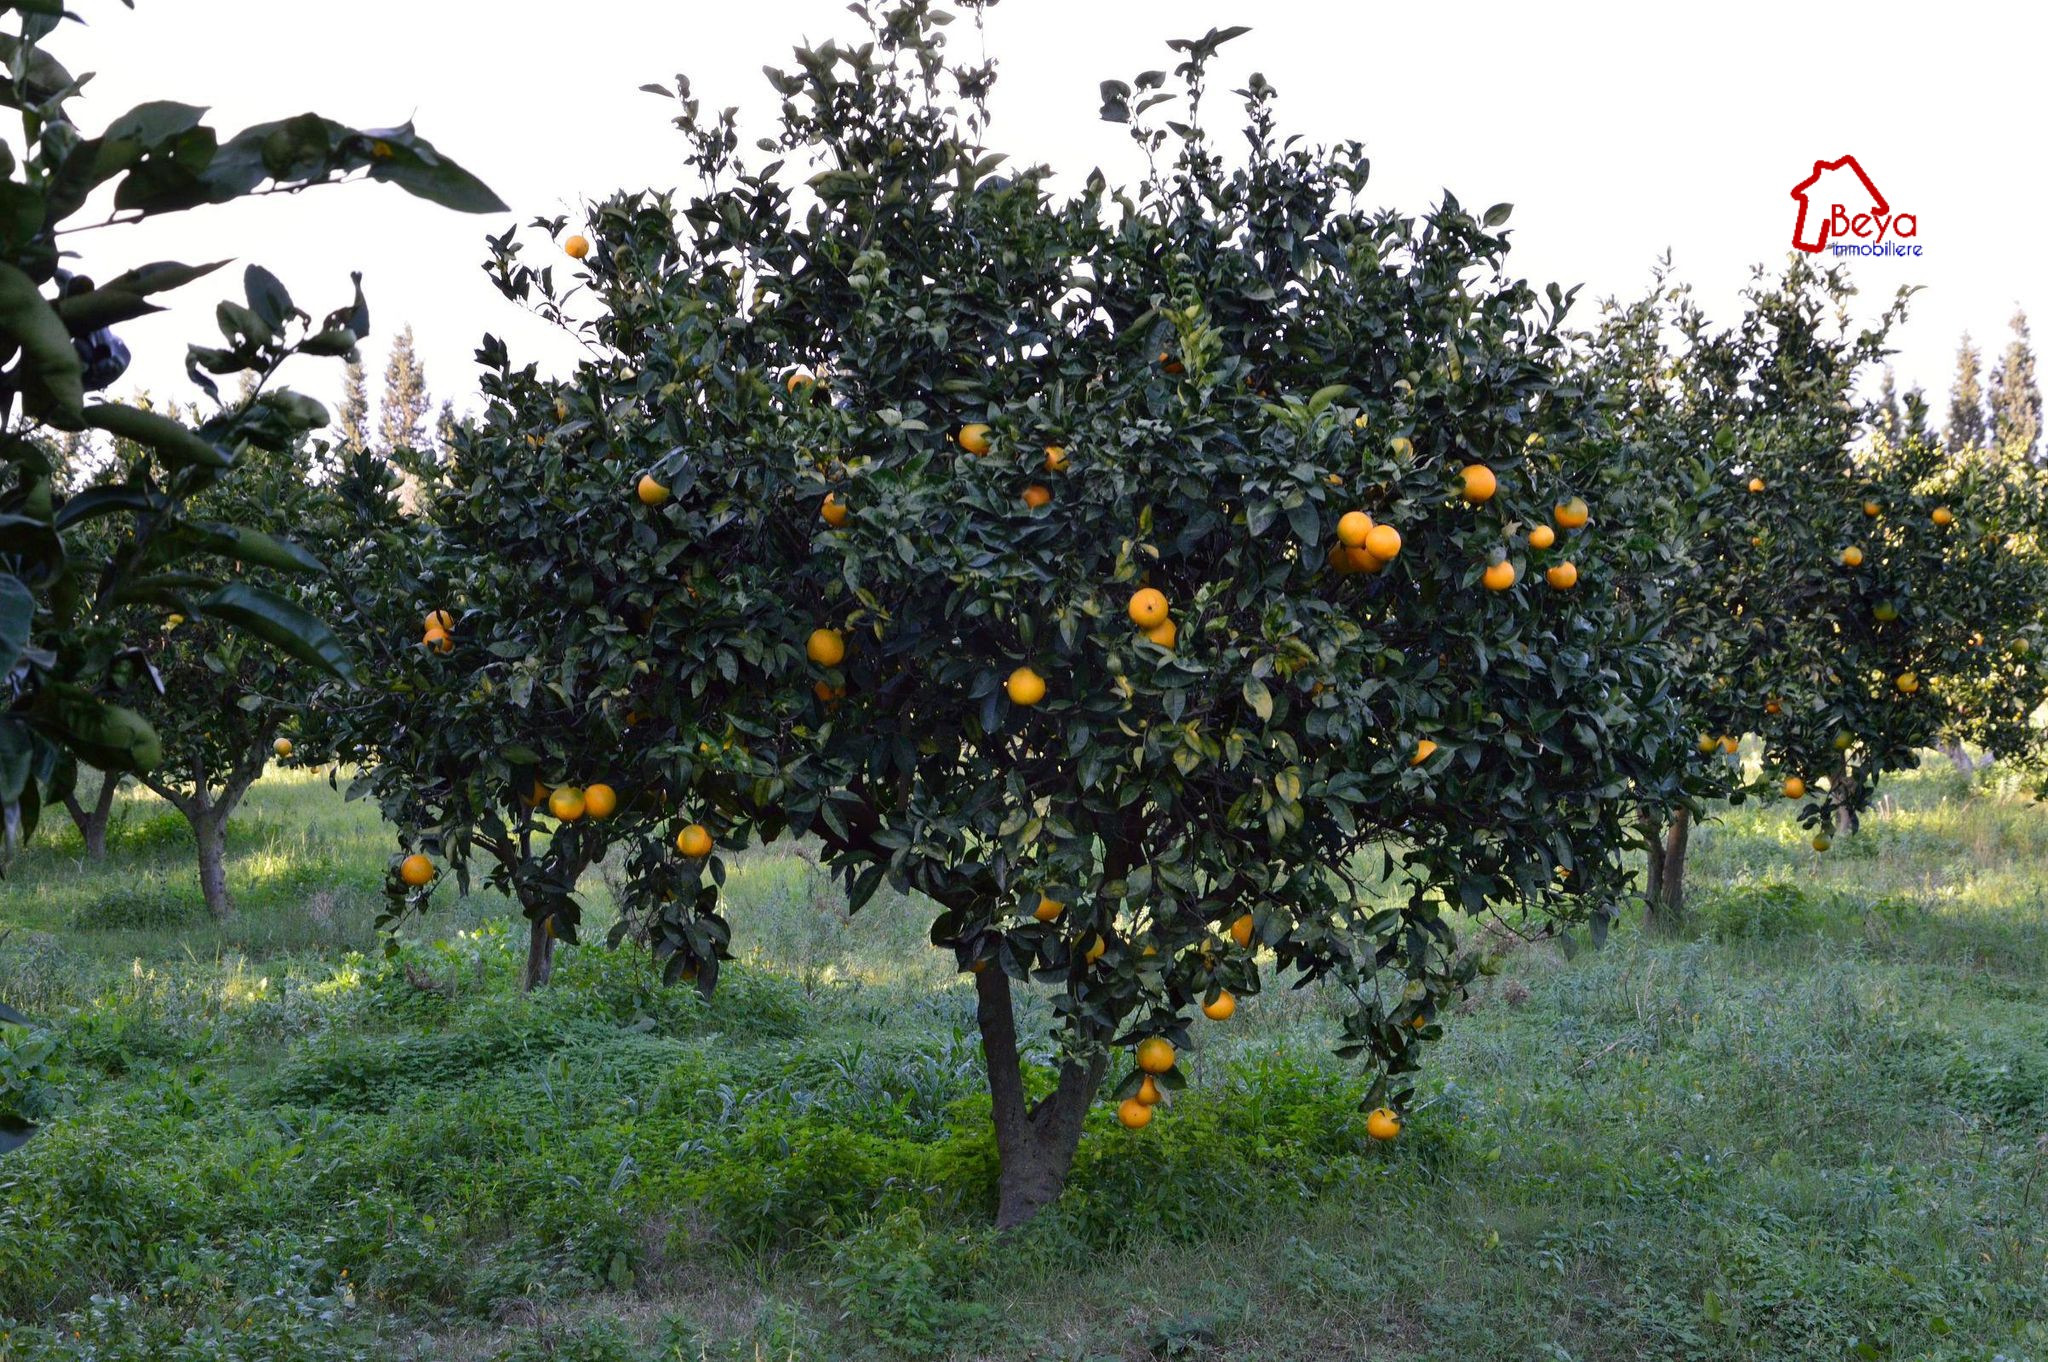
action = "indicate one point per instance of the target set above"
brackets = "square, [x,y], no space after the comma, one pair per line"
[1667,907]
[92,823]
[1035,1144]
[208,814]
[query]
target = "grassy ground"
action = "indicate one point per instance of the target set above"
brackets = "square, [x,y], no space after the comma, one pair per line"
[1816,1128]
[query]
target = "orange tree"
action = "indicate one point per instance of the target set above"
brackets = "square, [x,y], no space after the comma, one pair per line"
[1145,578]
[220,700]
[1792,609]
[75,569]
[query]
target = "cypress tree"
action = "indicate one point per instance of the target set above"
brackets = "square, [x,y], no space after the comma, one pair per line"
[402,419]
[1966,425]
[355,408]
[2016,397]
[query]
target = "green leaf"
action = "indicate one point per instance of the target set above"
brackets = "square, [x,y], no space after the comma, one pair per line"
[254,546]
[416,167]
[267,297]
[84,313]
[13,1018]
[1259,698]
[50,374]
[104,735]
[1498,214]
[99,501]
[159,277]
[178,446]
[17,614]
[17,750]
[281,624]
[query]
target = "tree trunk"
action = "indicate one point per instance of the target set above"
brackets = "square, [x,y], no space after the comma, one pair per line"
[1653,869]
[1959,757]
[209,827]
[1667,910]
[540,952]
[92,823]
[1847,820]
[1035,1145]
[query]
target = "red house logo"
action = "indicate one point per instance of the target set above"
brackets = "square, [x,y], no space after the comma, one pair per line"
[1840,208]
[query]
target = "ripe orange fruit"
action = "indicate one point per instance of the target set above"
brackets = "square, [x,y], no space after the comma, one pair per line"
[1241,930]
[1134,1114]
[1148,607]
[577,246]
[1037,495]
[1707,743]
[1479,483]
[1852,556]
[1794,788]
[1773,707]
[438,641]
[1424,749]
[1223,1009]
[416,870]
[1055,459]
[1169,363]
[1026,687]
[283,747]
[1148,1092]
[651,493]
[1096,947]
[1871,509]
[1352,528]
[1943,516]
[694,841]
[1383,542]
[1363,559]
[1570,515]
[1048,908]
[1498,576]
[974,438]
[826,691]
[802,378]
[566,803]
[440,619]
[1756,484]
[600,801]
[1155,1054]
[538,796]
[1165,633]
[1383,1124]
[1821,842]
[834,510]
[1730,744]
[1542,537]
[1563,576]
[827,647]
[1907,682]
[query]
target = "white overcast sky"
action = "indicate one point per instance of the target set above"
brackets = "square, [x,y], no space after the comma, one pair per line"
[1617,131]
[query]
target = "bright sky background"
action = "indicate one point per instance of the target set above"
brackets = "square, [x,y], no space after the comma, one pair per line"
[1617,131]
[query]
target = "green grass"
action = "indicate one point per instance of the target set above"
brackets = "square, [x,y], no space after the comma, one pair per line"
[1817,1127]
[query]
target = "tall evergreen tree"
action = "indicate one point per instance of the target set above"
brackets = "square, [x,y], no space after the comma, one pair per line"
[402,420]
[2016,397]
[1892,423]
[445,426]
[1966,424]
[355,408]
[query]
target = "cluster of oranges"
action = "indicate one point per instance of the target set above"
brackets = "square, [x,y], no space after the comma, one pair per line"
[440,632]
[1149,611]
